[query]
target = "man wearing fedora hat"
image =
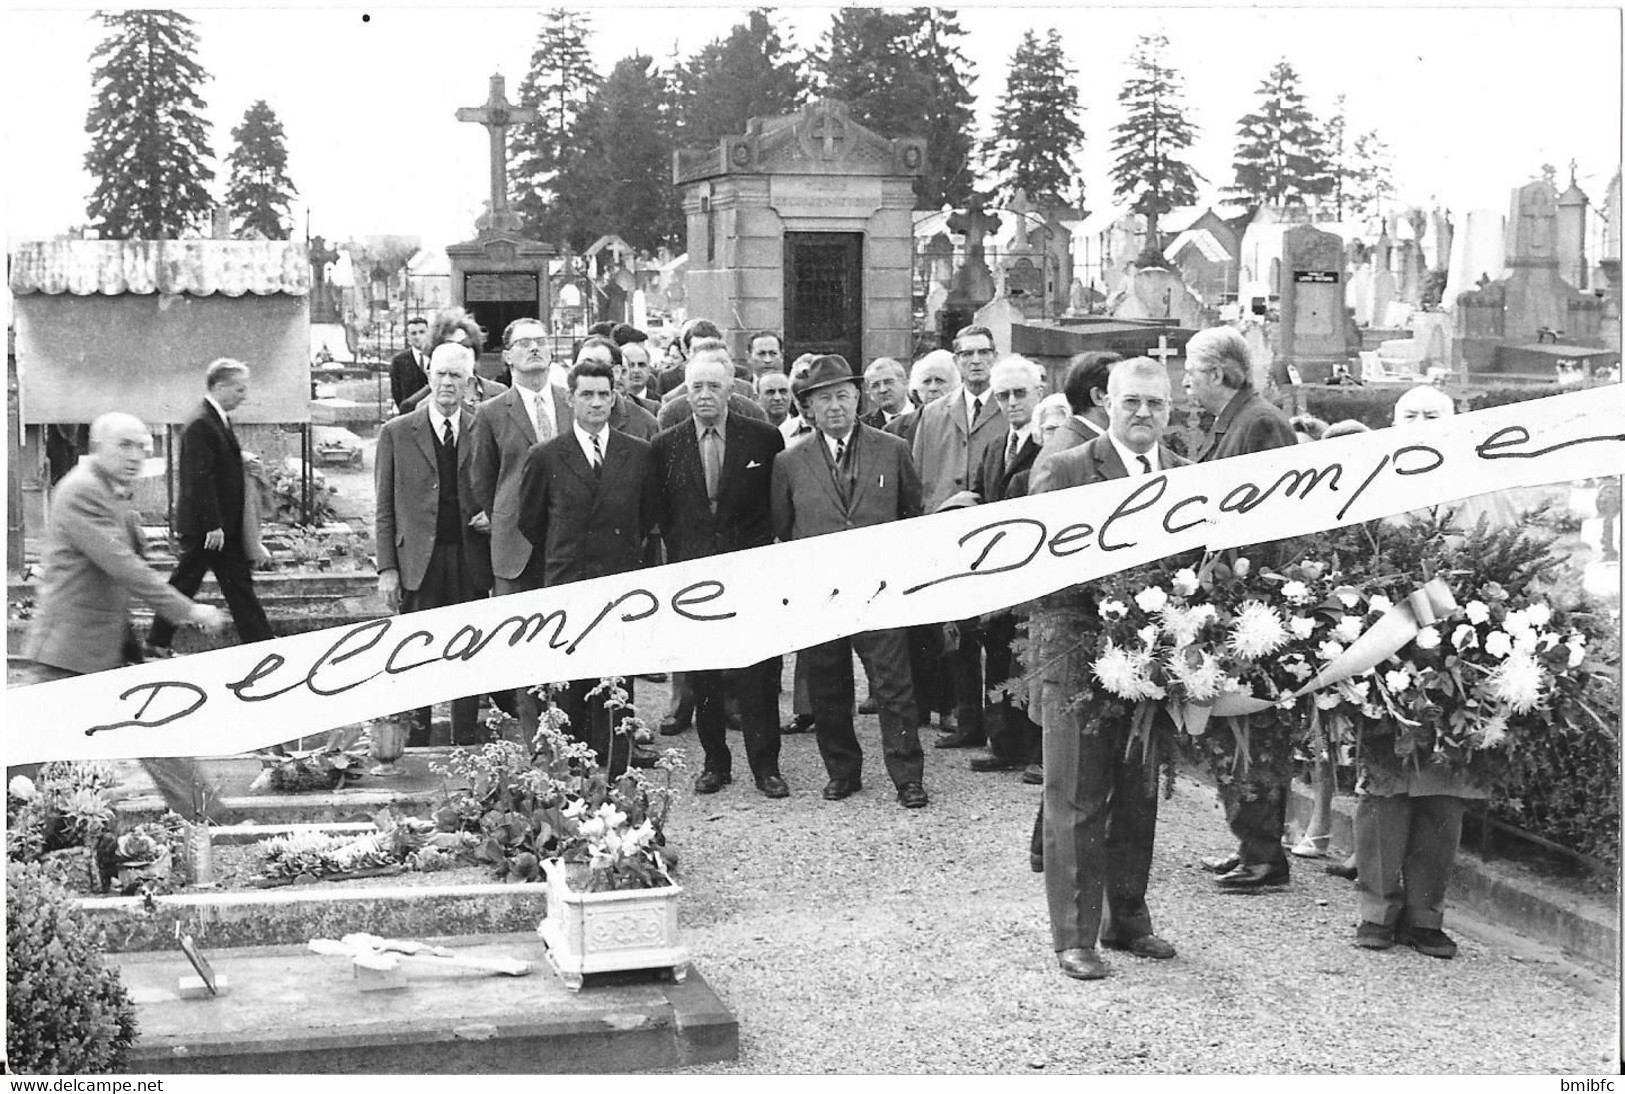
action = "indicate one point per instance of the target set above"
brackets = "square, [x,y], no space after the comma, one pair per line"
[849,475]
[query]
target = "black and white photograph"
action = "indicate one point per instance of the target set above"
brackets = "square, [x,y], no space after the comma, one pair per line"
[1038,541]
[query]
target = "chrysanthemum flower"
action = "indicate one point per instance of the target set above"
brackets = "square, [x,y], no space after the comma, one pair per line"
[1257,630]
[1198,672]
[1492,733]
[1125,673]
[1517,682]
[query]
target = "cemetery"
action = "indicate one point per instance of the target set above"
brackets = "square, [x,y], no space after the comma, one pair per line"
[519,904]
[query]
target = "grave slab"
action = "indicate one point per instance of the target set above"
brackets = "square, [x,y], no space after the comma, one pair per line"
[290,1011]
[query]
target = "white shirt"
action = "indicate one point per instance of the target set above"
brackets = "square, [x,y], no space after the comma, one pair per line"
[1021,436]
[545,398]
[831,442]
[1131,458]
[1090,426]
[584,439]
[793,427]
[437,421]
[970,401]
[218,409]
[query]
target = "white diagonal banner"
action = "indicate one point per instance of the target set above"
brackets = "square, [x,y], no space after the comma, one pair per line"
[740,608]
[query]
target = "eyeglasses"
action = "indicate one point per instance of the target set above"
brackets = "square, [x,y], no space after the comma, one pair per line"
[1133,403]
[987,351]
[1017,393]
[529,343]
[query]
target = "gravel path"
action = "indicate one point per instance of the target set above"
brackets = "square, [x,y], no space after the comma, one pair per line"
[859,937]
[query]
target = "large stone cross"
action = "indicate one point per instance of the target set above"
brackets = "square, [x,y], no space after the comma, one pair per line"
[496,115]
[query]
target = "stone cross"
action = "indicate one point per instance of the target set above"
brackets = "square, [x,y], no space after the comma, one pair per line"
[1021,206]
[1163,350]
[496,115]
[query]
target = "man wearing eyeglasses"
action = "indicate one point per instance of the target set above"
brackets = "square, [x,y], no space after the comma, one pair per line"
[1099,814]
[1218,378]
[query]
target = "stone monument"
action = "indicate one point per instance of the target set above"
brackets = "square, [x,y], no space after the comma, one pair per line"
[804,223]
[973,282]
[499,276]
[1313,336]
[1571,234]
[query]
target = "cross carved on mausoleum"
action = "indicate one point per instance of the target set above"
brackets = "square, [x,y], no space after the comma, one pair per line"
[496,115]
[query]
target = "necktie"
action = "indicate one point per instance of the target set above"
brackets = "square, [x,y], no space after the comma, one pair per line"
[840,455]
[597,453]
[1145,463]
[975,411]
[544,426]
[448,438]
[711,457]
[1012,449]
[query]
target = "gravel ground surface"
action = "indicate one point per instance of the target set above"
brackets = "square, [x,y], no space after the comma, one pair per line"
[860,937]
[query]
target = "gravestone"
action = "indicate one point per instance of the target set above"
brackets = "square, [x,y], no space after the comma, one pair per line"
[499,276]
[1571,234]
[1154,292]
[1312,333]
[1383,288]
[1023,265]
[804,223]
[973,282]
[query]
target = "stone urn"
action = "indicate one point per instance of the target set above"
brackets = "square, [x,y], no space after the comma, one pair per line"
[388,738]
[587,932]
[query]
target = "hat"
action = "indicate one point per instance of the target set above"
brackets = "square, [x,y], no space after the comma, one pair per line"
[825,371]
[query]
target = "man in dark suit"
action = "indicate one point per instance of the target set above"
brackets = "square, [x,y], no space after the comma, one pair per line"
[1085,391]
[1099,816]
[209,511]
[887,386]
[1218,377]
[851,476]
[669,379]
[714,473]
[587,500]
[764,353]
[409,371]
[635,382]
[433,535]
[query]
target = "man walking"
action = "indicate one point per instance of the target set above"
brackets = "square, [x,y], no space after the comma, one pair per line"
[714,474]
[849,475]
[209,511]
[409,371]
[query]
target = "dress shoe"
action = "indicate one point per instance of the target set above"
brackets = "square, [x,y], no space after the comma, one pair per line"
[1034,775]
[1221,865]
[869,706]
[958,739]
[1374,936]
[656,677]
[671,727]
[801,723]
[1082,964]
[912,796]
[643,757]
[841,788]
[992,763]
[710,782]
[1311,847]
[1035,859]
[1254,876]
[1345,869]
[1427,940]
[773,786]
[1147,945]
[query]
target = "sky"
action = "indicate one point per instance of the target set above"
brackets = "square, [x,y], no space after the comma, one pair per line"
[1471,101]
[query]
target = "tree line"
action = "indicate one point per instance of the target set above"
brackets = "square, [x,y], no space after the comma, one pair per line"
[599,159]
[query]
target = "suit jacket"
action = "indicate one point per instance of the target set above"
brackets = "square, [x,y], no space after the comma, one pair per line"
[503,436]
[1096,461]
[630,418]
[407,483]
[883,486]
[211,477]
[946,451]
[587,525]
[651,405]
[744,512]
[91,566]
[406,379]
[1071,434]
[905,425]
[1248,423]
[741,386]
[996,481]
[877,418]
[677,408]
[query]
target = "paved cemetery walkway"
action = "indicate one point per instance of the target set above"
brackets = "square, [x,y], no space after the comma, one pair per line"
[857,936]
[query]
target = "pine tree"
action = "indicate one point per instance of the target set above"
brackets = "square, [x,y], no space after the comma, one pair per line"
[748,74]
[1370,180]
[1148,143]
[1280,155]
[558,83]
[1337,155]
[903,74]
[260,190]
[149,142]
[620,179]
[1037,135]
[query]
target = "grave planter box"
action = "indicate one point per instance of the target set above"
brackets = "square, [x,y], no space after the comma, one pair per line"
[609,932]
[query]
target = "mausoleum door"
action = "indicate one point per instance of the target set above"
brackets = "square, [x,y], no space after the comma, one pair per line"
[823,295]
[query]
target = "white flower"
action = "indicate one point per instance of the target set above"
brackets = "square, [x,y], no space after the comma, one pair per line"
[1397,680]
[1478,612]
[612,817]
[1349,628]
[1464,637]
[1380,603]
[1182,626]
[1577,649]
[1525,641]
[1148,635]
[1355,691]
[1492,733]
[1198,672]
[1185,583]
[573,808]
[1124,673]
[1498,644]
[1427,638]
[21,786]
[1299,668]
[1539,614]
[1349,595]
[592,828]
[1326,700]
[1302,626]
[1112,609]
[1548,641]
[1151,598]
[1242,567]
[1257,630]
[1517,682]
[1314,570]
[1296,592]
[1516,622]
[1330,651]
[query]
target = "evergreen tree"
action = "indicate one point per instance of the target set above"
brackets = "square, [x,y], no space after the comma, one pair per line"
[1337,155]
[1370,180]
[748,74]
[1151,138]
[903,75]
[260,190]
[1037,135]
[149,142]
[558,83]
[1280,155]
[620,179]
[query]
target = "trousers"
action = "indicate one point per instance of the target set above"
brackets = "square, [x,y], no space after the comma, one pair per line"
[831,687]
[235,576]
[1404,847]
[755,687]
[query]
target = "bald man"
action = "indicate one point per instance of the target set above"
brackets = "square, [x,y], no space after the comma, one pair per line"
[92,565]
